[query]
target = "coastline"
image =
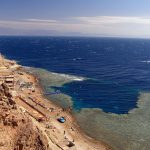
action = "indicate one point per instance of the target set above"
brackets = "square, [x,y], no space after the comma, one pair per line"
[69,131]
[125,131]
[97,143]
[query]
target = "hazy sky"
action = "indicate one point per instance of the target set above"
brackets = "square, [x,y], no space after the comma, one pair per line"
[123,18]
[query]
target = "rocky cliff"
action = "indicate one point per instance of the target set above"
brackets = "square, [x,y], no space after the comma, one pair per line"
[17,131]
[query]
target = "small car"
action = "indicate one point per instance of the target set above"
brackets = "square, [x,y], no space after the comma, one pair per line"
[61,119]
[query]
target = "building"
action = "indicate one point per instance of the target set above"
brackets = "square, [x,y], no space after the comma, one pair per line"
[7,79]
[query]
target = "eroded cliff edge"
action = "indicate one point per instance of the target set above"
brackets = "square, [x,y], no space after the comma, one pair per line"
[16,128]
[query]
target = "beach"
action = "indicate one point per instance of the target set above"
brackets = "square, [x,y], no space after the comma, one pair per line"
[44,114]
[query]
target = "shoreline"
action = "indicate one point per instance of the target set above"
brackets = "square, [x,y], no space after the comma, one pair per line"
[70,114]
[69,131]
[126,131]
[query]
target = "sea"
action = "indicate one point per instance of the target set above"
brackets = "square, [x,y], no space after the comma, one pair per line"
[107,81]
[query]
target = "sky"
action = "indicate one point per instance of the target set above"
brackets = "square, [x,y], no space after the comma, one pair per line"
[110,18]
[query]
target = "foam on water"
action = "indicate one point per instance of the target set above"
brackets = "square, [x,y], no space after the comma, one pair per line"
[49,80]
[146,61]
[70,77]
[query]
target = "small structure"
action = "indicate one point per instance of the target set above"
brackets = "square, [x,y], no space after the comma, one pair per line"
[41,119]
[8,80]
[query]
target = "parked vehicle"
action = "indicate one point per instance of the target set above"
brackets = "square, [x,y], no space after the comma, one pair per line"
[61,119]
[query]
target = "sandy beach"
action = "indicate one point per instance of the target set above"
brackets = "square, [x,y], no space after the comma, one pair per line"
[44,114]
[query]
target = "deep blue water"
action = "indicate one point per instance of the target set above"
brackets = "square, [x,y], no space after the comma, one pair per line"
[118,68]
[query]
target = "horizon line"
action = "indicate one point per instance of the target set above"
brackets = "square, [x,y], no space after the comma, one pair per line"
[73,36]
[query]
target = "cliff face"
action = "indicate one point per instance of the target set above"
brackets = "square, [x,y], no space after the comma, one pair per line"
[17,131]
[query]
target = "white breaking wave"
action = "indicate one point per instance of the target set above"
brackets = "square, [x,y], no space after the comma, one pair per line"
[70,77]
[65,76]
[146,61]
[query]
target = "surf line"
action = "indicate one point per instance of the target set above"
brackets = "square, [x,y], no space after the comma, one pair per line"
[54,93]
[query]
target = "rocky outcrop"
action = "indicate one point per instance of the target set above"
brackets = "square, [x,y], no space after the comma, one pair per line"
[17,131]
[28,137]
